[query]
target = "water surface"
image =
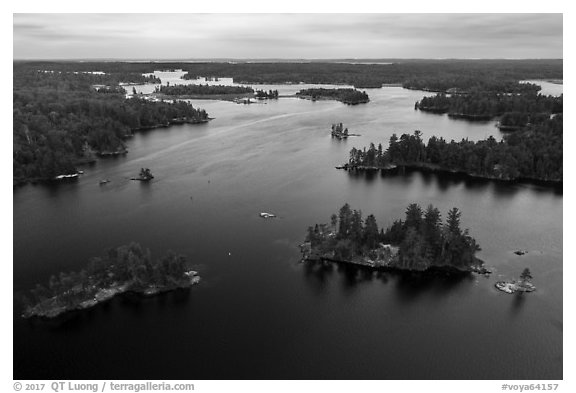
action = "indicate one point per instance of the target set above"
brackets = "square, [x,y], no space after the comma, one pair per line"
[259,312]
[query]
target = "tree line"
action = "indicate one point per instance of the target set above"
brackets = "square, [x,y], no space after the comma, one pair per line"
[27,76]
[347,96]
[517,110]
[535,153]
[432,75]
[270,94]
[464,84]
[423,240]
[182,90]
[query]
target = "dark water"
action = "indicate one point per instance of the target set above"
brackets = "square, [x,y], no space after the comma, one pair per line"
[258,312]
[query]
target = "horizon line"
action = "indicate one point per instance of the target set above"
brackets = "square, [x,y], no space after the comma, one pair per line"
[222,59]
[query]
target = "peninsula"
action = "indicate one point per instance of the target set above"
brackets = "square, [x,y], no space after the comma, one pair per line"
[420,242]
[516,111]
[66,118]
[533,154]
[127,268]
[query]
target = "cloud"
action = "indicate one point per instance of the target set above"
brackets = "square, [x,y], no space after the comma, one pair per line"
[287,35]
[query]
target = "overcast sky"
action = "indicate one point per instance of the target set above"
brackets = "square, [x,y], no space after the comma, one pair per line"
[188,36]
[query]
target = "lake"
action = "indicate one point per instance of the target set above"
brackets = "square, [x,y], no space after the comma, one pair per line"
[259,313]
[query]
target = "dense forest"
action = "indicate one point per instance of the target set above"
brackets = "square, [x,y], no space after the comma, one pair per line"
[418,242]
[184,90]
[121,269]
[27,76]
[432,75]
[463,84]
[347,96]
[534,153]
[62,119]
[517,110]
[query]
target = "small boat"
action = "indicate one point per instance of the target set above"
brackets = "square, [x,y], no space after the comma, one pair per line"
[71,176]
[267,215]
[104,181]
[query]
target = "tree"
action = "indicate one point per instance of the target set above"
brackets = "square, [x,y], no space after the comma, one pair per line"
[393,149]
[413,216]
[334,221]
[412,251]
[356,227]
[432,232]
[453,221]
[345,217]
[343,249]
[526,276]
[371,232]
[432,221]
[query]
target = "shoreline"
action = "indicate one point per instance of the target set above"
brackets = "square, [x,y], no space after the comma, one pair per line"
[17,183]
[311,255]
[427,167]
[216,97]
[310,98]
[512,287]
[103,295]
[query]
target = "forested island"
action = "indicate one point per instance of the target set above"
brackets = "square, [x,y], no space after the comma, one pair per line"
[346,96]
[62,119]
[339,132]
[144,175]
[128,268]
[516,110]
[418,243]
[267,95]
[221,92]
[532,154]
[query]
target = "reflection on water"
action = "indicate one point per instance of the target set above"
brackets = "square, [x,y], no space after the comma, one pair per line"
[518,301]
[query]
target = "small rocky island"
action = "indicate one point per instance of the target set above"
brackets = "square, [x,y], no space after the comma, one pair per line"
[524,284]
[127,268]
[145,175]
[347,96]
[420,242]
[339,132]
